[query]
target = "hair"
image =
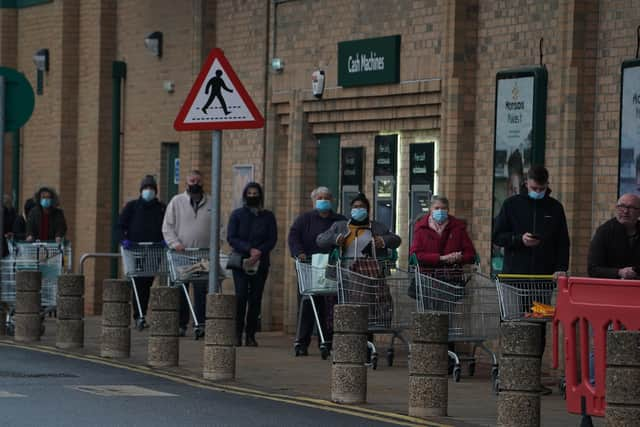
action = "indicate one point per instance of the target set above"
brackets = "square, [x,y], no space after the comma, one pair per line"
[362,198]
[440,199]
[539,174]
[195,172]
[320,190]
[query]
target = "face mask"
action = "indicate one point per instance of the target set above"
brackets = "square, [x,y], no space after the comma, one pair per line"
[440,215]
[194,189]
[148,194]
[323,205]
[535,195]
[359,214]
[45,203]
[253,201]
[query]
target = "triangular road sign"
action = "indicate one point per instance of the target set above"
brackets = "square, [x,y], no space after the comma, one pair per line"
[218,100]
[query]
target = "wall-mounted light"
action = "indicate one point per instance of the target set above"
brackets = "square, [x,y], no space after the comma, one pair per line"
[41,61]
[277,65]
[153,43]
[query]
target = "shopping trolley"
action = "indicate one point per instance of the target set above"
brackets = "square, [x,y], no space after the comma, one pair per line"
[313,281]
[519,293]
[469,298]
[143,259]
[384,291]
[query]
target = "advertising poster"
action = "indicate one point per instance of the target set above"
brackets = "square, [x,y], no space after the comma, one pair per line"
[629,169]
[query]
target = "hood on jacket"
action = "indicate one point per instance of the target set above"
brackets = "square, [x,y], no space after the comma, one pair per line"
[55,201]
[257,187]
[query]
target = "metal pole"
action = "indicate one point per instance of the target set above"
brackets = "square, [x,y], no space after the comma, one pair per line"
[2,126]
[214,239]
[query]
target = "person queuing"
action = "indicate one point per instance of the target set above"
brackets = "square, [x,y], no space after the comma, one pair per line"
[19,228]
[46,220]
[187,224]
[251,232]
[141,221]
[302,244]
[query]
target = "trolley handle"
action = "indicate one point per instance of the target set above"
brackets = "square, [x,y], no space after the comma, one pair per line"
[526,276]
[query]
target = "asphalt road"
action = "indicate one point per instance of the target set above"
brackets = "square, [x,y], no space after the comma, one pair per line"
[45,389]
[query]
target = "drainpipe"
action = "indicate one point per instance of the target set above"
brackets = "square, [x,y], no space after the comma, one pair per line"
[15,172]
[119,72]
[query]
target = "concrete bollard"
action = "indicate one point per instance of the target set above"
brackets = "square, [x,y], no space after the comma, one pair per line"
[520,365]
[348,371]
[219,360]
[28,320]
[623,378]
[428,382]
[116,318]
[70,307]
[164,344]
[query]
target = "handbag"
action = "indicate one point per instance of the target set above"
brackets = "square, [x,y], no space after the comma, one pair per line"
[234,262]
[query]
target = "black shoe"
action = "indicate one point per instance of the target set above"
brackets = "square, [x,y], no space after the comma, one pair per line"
[182,331]
[250,342]
[239,342]
[545,391]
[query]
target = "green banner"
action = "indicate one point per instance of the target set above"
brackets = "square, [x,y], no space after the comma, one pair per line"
[369,61]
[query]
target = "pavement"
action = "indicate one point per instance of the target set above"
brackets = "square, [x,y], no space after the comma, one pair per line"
[272,371]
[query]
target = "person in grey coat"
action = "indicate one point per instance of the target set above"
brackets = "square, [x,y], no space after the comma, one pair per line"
[359,236]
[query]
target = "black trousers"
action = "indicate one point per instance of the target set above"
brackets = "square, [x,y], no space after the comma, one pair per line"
[199,303]
[308,321]
[143,286]
[249,291]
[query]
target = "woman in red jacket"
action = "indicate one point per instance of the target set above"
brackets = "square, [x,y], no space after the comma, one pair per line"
[440,240]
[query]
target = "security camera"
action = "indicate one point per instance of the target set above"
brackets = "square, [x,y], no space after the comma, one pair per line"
[153,42]
[41,59]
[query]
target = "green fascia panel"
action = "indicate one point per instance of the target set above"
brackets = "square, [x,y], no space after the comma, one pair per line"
[19,4]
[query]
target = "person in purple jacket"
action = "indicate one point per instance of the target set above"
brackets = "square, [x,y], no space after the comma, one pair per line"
[302,244]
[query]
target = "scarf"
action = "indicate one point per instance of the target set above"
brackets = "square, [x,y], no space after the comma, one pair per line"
[438,228]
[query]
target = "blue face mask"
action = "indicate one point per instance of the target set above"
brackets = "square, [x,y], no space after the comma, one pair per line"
[323,205]
[45,203]
[535,195]
[359,214]
[439,215]
[148,194]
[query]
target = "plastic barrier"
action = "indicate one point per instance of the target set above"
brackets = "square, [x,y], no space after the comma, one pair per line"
[599,303]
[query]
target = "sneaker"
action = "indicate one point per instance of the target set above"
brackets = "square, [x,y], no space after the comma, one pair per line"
[250,342]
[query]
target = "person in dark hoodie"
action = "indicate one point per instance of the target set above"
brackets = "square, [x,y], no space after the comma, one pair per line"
[532,229]
[252,232]
[141,221]
[46,220]
[302,244]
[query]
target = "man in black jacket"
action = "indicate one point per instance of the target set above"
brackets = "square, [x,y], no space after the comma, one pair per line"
[615,248]
[141,221]
[532,229]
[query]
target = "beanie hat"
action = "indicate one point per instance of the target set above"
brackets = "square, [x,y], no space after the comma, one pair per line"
[149,181]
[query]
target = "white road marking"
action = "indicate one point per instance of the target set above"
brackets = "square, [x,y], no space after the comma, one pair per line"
[4,393]
[120,391]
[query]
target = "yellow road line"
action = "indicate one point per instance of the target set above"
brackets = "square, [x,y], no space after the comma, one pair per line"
[367,413]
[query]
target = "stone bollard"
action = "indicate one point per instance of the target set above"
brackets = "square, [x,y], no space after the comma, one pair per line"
[70,307]
[428,382]
[219,360]
[623,379]
[348,371]
[164,344]
[116,318]
[28,320]
[520,365]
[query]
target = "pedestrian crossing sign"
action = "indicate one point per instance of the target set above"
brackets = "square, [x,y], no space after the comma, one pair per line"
[218,100]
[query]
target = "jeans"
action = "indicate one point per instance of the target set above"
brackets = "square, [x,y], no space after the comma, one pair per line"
[200,290]
[249,291]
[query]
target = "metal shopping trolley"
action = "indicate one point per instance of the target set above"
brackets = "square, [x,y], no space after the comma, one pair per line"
[384,290]
[314,281]
[143,259]
[470,300]
[520,294]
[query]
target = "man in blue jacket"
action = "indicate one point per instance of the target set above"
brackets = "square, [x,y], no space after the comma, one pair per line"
[252,232]
[302,244]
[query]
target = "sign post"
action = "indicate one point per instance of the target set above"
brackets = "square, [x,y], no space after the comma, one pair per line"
[217,101]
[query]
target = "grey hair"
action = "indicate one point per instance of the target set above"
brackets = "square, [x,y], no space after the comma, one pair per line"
[320,190]
[440,199]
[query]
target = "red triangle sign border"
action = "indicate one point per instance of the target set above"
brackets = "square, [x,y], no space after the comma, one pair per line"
[179,123]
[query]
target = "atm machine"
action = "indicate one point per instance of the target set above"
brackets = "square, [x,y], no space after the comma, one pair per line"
[350,177]
[384,175]
[421,177]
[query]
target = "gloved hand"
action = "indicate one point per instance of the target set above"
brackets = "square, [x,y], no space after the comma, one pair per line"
[127,244]
[164,244]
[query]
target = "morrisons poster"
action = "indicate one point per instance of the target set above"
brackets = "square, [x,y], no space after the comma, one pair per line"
[629,169]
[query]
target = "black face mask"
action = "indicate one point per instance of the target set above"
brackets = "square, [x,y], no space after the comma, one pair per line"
[253,201]
[194,189]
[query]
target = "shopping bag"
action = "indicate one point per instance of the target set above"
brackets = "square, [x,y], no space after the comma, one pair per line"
[319,279]
[370,288]
[234,262]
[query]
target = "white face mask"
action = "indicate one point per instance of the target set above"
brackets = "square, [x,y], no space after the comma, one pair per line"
[148,194]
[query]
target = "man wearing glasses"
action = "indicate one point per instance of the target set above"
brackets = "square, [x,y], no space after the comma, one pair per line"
[615,248]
